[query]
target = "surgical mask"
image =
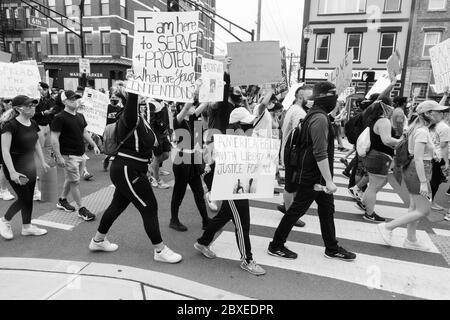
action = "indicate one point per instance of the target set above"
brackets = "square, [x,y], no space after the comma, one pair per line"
[327,102]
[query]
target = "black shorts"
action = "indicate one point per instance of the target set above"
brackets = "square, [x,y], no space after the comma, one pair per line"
[164,146]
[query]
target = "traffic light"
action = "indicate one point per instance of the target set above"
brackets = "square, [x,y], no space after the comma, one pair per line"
[173,5]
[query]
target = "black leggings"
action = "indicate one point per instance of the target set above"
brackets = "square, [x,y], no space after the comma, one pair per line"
[132,186]
[187,174]
[437,177]
[24,193]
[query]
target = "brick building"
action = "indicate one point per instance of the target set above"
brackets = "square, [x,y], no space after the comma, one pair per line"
[431,25]
[108,30]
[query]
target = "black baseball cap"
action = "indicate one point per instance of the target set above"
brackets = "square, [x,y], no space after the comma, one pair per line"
[70,95]
[23,101]
[323,88]
[44,85]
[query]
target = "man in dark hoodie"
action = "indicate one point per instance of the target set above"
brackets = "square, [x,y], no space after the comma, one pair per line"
[315,167]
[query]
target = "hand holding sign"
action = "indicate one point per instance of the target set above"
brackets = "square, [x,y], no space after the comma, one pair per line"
[394,65]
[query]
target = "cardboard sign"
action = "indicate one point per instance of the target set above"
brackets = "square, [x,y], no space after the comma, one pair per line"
[282,86]
[394,65]
[212,86]
[342,76]
[383,82]
[95,110]
[255,63]
[245,167]
[440,59]
[164,55]
[5,56]
[19,79]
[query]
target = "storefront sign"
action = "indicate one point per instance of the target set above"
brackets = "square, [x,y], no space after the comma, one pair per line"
[89,75]
[324,74]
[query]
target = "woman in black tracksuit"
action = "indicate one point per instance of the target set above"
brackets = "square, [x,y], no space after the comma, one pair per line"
[129,176]
[188,164]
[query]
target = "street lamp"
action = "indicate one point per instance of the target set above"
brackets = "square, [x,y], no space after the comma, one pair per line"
[307,35]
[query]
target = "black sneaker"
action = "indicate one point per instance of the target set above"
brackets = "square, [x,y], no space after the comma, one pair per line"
[282,252]
[86,215]
[342,254]
[63,204]
[346,174]
[360,205]
[374,218]
[178,226]
[282,208]
[300,224]
[344,161]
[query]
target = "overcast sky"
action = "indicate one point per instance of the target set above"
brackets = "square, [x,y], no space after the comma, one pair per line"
[281,20]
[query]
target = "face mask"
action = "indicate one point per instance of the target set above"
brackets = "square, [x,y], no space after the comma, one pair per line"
[246,127]
[327,102]
[236,98]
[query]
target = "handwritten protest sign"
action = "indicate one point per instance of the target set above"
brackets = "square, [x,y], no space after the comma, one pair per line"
[245,167]
[255,63]
[5,56]
[95,110]
[394,65]
[19,79]
[212,86]
[440,59]
[342,76]
[164,55]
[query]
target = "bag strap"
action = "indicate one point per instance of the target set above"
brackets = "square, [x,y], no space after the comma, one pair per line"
[128,135]
[260,118]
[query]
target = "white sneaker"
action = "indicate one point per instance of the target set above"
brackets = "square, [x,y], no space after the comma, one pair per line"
[6,230]
[153,182]
[33,231]
[416,246]
[104,246]
[167,256]
[6,195]
[211,204]
[37,195]
[385,233]
[162,185]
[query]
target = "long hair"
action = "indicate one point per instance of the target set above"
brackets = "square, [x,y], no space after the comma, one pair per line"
[8,116]
[120,92]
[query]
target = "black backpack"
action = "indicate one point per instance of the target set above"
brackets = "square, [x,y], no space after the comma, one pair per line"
[353,128]
[291,150]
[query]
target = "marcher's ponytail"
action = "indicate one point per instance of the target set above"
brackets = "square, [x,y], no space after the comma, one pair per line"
[8,116]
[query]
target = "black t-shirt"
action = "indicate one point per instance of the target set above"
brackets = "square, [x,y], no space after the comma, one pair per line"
[71,127]
[195,138]
[112,113]
[219,118]
[23,142]
[160,122]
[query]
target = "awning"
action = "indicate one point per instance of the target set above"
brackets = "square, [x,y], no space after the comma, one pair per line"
[72,60]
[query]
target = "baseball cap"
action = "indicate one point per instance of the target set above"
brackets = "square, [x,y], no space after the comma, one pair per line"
[427,106]
[70,95]
[323,88]
[44,85]
[23,101]
[241,115]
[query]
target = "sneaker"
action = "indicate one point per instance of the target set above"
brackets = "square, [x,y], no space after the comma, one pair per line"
[342,149]
[153,182]
[253,268]
[447,217]
[300,224]
[86,215]
[167,256]
[282,252]
[6,230]
[105,165]
[160,185]
[33,231]
[164,173]
[344,161]
[448,192]
[178,226]
[361,206]
[342,254]
[374,218]
[385,234]
[420,246]
[37,195]
[88,177]
[211,204]
[6,195]
[63,204]
[206,251]
[346,174]
[104,246]
[356,193]
[282,208]
[436,207]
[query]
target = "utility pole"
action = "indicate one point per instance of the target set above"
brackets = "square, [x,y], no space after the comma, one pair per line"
[290,68]
[82,48]
[258,36]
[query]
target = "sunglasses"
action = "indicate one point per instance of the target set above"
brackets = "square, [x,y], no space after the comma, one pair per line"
[7,101]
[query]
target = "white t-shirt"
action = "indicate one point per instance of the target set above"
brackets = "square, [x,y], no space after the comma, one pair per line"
[422,135]
[440,134]
[263,127]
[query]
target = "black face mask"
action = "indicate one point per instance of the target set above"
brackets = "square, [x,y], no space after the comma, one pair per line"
[246,127]
[328,103]
[236,98]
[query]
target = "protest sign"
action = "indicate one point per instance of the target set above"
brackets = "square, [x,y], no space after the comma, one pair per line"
[95,110]
[394,65]
[440,59]
[255,63]
[164,55]
[19,79]
[283,85]
[212,86]
[383,82]
[245,167]
[5,56]
[342,76]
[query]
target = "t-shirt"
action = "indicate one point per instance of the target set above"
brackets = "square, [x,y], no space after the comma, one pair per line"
[440,134]
[263,125]
[219,117]
[71,127]
[422,135]
[23,142]
[112,113]
[187,130]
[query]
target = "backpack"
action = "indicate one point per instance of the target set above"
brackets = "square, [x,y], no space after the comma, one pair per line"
[353,128]
[363,144]
[402,157]
[111,143]
[291,150]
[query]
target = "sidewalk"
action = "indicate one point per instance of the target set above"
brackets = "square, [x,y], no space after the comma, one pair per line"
[36,279]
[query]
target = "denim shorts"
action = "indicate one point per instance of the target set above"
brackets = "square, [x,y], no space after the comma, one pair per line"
[378,163]
[412,179]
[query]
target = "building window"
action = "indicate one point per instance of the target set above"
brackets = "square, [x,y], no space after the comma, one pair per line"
[354,41]
[342,6]
[88,43]
[106,40]
[437,4]
[123,8]
[70,43]
[431,39]
[104,7]
[123,42]
[38,50]
[87,8]
[29,50]
[322,47]
[423,87]
[387,46]
[68,8]
[52,6]
[392,5]
[53,36]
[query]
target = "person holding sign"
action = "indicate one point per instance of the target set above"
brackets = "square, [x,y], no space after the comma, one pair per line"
[19,144]
[129,175]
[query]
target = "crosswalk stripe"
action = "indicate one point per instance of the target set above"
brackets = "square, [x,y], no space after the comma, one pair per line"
[442,232]
[406,278]
[350,230]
